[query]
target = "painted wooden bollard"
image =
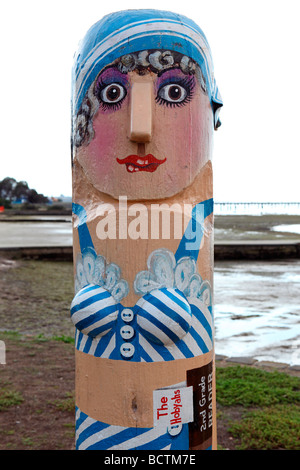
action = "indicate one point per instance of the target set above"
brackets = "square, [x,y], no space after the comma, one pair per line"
[145,105]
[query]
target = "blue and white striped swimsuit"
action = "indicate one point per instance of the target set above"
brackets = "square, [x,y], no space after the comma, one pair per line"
[169,322]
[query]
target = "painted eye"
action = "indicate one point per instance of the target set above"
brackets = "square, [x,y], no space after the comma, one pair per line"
[113,93]
[172,93]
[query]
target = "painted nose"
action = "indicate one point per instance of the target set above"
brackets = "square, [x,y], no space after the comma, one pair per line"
[140,127]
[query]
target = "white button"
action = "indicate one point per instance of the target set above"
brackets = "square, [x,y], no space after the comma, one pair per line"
[127,349]
[127,315]
[127,332]
[174,429]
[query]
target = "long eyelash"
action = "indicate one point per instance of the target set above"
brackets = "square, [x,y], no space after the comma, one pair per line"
[171,104]
[112,106]
[98,88]
[100,85]
[188,83]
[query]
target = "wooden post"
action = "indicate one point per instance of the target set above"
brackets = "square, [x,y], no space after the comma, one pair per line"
[145,105]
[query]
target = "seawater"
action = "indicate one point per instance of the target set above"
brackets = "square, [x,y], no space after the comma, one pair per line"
[38,232]
[257,310]
[257,303]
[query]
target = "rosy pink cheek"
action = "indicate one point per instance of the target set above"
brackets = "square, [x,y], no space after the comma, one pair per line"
[101,148]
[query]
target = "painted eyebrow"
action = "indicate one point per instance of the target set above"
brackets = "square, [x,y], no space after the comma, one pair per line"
[110,75]
[174,74]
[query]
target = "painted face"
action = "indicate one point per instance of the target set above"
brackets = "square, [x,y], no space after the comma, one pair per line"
[152,133]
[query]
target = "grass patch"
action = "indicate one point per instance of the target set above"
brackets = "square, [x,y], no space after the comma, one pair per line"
[8,396]
[40,294]
[10,335]
[64,339]
[247,386]
[27,441]
[276,427]
[67,403]
[270,404]
[42,338]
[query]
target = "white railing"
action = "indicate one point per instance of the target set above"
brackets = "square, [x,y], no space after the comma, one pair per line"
[256,208]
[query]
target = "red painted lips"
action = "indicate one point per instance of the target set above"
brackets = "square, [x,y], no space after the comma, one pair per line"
[134,163]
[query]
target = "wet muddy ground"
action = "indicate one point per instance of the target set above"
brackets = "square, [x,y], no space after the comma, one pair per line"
[257,309]
[57,230]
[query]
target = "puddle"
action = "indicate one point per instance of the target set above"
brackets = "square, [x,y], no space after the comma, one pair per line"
[258,301]
[292,228]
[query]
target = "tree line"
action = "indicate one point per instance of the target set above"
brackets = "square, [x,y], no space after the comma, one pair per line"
[12,190]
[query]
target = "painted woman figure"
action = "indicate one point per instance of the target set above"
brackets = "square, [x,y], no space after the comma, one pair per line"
[145,105]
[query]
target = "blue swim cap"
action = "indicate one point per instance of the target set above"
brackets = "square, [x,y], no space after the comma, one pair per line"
[130,31]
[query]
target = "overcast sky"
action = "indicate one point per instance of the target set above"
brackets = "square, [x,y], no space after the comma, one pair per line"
[255,47]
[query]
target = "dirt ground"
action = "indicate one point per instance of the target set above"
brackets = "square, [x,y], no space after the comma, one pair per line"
[43,374]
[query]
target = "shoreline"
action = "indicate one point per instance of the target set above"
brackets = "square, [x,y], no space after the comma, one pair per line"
[229,250]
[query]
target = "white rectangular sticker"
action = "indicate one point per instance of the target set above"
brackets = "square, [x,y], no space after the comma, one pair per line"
[173,406]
